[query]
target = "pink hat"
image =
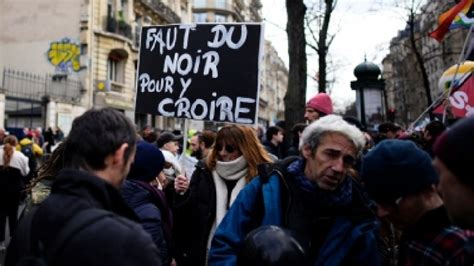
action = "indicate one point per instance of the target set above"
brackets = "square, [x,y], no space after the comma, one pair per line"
[321,103]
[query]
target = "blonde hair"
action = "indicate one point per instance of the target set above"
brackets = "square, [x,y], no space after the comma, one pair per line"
[245,140]
[9,147]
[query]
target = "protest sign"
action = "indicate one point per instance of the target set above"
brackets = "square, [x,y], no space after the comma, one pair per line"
[189,164]
[200,71]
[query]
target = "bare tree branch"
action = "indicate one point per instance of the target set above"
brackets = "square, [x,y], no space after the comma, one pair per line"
[331,38]
[312,47]
[313,36]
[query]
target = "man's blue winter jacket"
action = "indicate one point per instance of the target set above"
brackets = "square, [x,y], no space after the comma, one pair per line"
[347,243]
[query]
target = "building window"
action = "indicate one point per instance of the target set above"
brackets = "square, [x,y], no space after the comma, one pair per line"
[220,18]
[199,3]
[83,48]
[110,9]
[116,66]
[220,3]
[112,69]
[200,17]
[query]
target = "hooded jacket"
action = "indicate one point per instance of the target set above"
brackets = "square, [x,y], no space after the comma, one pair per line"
[115,240]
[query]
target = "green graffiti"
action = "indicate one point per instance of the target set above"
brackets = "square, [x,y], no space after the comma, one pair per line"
[65,55]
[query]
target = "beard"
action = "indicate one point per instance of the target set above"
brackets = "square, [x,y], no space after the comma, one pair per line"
[197,154]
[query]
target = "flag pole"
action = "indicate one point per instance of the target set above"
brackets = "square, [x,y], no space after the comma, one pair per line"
[436,102]
[460,61]
[185,136]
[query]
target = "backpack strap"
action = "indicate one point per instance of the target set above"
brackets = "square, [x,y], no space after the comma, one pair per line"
[76,224]
[266,169]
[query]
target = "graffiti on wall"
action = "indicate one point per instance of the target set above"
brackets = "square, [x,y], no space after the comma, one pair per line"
[64,55]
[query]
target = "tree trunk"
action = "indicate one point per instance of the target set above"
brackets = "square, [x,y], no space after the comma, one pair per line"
[296,93]
[420,62]
[323,47]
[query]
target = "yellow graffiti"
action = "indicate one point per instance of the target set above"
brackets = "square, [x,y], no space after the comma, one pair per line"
[65,54]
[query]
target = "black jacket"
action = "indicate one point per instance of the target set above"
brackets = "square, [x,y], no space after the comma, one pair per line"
[11,185]
[275,150]
[194,214]
[114,240]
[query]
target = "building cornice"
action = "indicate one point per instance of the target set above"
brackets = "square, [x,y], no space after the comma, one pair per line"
[117,37]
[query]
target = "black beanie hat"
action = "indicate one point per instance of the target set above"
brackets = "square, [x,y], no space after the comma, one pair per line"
[148,163]
[396,168]
[454,148]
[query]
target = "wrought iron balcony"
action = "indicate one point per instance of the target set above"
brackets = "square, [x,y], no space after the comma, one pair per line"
[162,10]
[119,27]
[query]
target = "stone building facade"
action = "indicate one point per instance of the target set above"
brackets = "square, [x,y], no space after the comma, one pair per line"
[73,55]
[405,90]
[76,54]
[272,88]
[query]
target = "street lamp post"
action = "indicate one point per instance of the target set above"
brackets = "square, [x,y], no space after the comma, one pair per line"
[370,90]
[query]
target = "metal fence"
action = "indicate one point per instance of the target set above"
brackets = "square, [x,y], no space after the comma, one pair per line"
[25,85]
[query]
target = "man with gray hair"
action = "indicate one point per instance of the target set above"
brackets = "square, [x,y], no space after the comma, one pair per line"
[313,197]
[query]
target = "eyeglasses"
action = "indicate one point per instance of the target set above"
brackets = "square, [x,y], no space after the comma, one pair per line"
[228,148]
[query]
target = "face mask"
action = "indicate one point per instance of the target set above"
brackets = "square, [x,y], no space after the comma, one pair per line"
[169,173]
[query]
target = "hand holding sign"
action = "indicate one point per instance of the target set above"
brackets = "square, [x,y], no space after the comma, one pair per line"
[181,184]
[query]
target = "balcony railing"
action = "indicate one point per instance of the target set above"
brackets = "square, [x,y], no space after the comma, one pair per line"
[119,27]
[163,10]
[35,87]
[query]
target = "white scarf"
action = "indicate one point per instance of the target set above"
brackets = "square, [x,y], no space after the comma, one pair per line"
[233,170]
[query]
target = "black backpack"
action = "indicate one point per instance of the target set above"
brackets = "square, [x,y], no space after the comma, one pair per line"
[30,253]
[27,150]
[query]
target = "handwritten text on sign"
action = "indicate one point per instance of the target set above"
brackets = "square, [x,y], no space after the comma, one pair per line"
[203,72]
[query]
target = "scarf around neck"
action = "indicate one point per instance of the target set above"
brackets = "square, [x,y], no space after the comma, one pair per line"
[232,170]
[340,197]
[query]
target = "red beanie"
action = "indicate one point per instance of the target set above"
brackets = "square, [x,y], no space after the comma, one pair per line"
[321,103]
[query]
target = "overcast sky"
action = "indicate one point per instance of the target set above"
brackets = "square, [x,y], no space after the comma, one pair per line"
[364,27]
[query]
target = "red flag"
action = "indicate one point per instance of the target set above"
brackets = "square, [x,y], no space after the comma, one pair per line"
[446,19]
[461,100]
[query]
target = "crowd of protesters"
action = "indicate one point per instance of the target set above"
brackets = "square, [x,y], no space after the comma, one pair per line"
[325,193]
